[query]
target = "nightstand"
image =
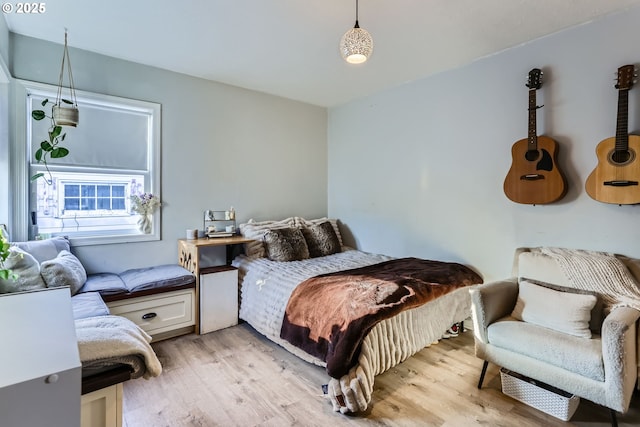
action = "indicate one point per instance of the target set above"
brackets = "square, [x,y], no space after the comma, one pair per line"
[217,286]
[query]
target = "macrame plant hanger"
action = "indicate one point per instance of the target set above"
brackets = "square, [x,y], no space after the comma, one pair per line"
[66,115]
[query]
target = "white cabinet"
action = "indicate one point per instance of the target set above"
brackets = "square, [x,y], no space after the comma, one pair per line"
[158,313]
[222,313]
[40,370]
[218,298]
[102,408]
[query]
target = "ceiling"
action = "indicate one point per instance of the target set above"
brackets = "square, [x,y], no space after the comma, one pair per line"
[290,47]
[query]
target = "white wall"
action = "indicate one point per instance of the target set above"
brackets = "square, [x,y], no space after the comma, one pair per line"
[418,170]
[4,122]
[222,146]
[4,39]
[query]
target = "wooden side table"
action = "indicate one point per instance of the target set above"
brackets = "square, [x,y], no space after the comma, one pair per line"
[189,258]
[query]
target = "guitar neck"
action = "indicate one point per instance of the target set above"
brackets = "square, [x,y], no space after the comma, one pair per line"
[622,123]
[533,134]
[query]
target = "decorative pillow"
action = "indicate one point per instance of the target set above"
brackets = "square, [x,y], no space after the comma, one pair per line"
[561,311]
[26,267]
[257,230]
[286,244]
[44,250]
[597,313]
[321,239]
[64,270]
[301,222]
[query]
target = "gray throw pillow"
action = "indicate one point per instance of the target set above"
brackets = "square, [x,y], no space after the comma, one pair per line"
[321,239]
[44,250]
[64,270]
[286,244]
[26,267]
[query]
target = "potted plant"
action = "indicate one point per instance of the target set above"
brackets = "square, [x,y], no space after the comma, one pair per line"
[51,147]
[5,273]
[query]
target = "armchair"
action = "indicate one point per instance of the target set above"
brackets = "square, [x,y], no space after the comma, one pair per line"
[544,323]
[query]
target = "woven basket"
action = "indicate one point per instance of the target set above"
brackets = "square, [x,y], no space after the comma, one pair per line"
[544,397]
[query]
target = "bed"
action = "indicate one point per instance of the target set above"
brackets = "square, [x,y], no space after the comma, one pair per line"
[268,280]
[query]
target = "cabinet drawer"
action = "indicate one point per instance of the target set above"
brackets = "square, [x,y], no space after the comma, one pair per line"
[158,313]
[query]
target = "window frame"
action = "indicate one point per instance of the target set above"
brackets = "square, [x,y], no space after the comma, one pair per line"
[24,196]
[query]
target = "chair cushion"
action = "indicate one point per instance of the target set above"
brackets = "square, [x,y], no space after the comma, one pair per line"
[561,311]
[574,354]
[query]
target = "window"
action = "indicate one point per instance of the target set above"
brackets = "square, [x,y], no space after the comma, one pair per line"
[114,154]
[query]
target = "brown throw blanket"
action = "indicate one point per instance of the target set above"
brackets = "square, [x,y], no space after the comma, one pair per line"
[329,315]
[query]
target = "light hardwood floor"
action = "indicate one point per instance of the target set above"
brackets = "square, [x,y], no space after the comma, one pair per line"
[235,377]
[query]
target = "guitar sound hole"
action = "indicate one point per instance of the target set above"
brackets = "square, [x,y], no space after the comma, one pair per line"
[621,157]
[532,155]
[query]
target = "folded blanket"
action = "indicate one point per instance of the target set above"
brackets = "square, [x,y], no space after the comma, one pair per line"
[329,315]
[109,340]
[601,272]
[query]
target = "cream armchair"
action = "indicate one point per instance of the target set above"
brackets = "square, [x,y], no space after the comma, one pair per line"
[539,325]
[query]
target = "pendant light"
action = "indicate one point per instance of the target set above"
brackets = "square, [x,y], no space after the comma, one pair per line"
[68,115]
[356,44]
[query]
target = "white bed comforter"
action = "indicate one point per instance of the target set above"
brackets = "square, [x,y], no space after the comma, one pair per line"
[265,290]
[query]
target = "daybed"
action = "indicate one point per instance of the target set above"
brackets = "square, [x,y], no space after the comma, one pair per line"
[567,319]
[276,263]
[112,348]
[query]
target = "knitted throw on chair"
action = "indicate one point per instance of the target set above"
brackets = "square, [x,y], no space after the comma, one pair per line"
[599,272]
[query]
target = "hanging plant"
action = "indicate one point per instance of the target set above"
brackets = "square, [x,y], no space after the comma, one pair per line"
[50,148]
[60,116]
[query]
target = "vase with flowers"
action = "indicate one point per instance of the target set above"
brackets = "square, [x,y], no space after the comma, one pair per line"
[145,205]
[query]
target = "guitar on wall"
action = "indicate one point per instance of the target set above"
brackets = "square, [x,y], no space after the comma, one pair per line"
[534,177]
[615,178]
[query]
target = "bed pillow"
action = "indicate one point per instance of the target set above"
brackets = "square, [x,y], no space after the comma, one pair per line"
[26,267]
[256,231]
[561,311]
[64,270]
[286,244]
[321,239]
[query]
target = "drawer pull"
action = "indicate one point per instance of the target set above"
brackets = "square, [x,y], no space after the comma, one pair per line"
[148,316]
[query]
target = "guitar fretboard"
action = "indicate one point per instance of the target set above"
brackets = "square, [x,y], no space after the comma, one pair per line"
[622,123]
[533,137]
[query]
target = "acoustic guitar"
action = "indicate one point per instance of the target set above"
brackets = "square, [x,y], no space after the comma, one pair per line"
[615,178]
[534,177]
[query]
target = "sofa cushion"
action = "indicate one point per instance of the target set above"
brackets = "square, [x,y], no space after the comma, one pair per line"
[574,354]
[160,276]
[27,270]
[88,304]
[44,250]
[561,311]
[105,283]
[64,270]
